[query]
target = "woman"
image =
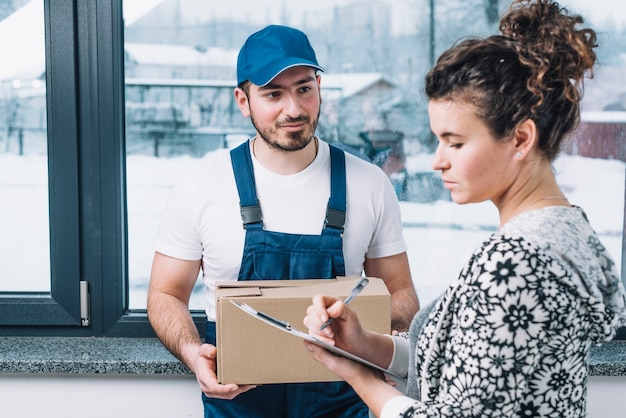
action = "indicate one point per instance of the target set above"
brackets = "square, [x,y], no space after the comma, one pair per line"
[511,335]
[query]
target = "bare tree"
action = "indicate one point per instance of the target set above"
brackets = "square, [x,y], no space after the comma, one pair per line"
[492,11]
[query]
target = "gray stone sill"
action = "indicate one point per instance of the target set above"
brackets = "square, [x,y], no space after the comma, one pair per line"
[608,359]
[58,355]
[146,356]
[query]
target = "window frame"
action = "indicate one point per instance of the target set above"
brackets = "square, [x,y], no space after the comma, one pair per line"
[85,87]
[86,178]
[61,306]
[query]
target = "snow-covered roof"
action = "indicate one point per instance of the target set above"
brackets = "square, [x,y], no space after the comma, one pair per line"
[349,84]
[166,54]
[603,116]
[26,55]
[26,58]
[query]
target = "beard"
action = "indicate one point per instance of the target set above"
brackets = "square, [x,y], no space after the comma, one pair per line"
[290,141]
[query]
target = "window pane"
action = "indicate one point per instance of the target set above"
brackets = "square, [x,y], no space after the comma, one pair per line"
[180,71]
[24,226]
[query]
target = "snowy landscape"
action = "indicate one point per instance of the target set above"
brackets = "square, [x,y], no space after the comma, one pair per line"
[440,235]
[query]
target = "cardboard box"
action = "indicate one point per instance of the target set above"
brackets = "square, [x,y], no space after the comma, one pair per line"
[253,352]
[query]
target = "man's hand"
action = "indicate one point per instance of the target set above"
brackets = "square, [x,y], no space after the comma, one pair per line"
[171,283]
[205,369]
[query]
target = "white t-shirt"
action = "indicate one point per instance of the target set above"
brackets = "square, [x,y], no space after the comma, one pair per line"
[202,219]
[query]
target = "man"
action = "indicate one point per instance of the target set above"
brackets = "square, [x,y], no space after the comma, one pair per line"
[278,185]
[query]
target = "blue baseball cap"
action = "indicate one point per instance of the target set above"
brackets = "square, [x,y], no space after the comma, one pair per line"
[272,50]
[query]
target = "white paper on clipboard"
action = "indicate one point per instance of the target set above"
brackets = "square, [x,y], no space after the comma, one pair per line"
[286,327]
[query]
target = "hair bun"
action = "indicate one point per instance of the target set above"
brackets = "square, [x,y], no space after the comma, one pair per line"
[551,44]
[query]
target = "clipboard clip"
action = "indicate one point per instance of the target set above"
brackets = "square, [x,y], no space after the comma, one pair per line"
[274,321]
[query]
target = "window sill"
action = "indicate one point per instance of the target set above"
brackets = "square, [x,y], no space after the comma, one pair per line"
[146,356]
[87,355]
[608,359]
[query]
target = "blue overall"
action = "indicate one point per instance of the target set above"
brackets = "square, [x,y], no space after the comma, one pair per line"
[278,256]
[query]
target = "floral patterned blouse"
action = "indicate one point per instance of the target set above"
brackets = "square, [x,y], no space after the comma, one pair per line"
[511,335]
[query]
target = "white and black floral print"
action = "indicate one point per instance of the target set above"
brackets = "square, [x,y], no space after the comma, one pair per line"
[511,336]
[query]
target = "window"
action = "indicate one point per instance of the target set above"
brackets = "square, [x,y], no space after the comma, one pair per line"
[84,97]
[178,110]
[130,102]
[23,151]
[53,303]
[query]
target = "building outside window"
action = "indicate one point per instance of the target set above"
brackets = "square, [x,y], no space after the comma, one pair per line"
[372,102]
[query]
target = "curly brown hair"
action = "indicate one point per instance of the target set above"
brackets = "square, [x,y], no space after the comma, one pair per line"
[534,70]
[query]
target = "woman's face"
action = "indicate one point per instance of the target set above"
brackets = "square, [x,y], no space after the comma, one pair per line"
[474,166]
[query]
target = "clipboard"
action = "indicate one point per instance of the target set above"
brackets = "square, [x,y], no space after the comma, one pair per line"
[288,328]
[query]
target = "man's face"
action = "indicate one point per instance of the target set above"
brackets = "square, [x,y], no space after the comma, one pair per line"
[286,111]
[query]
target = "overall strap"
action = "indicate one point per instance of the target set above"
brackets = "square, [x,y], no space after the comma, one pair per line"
[336,210]
[249,204]
[244,177]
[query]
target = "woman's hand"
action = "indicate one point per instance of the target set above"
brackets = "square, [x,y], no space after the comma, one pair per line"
[346,369]
[345,330]
[370,384]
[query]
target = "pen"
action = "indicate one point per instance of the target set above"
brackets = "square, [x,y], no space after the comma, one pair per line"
[355,291]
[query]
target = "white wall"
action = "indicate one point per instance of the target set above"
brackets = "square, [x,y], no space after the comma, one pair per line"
[100,396]
[607,397]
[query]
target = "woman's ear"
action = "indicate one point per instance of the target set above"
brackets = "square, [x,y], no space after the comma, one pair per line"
[525,138]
